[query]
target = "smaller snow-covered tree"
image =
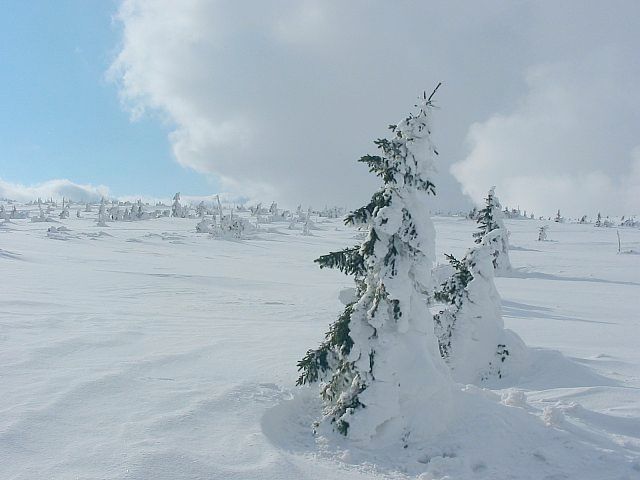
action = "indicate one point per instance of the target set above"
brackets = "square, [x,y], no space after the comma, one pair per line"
[490,220]
[102,214]
[558,218]
[65,210]
[470,330]
[176,208]
[542,233]
[78,213]
[201,210]
[219,205]
[306,230]
[452,293]
[598,220]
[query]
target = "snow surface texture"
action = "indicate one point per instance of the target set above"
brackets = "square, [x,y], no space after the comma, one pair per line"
[150,351]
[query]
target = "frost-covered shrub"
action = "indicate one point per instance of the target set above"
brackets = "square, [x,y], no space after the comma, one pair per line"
[42,217]
[380,373]
[206,225]
[490,220]
[470,330]
[232,226]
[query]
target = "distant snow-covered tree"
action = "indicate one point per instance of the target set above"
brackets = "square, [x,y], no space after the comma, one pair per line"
[201,210]
[598,220]
[542,233]
[102,214]
[65,210]
[490,220]
[176,208]
[306,228]
[380,372]
[558,218]
[473,214]
[219,205]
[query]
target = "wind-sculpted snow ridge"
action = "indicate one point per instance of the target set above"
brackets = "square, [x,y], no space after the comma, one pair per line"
[149,351]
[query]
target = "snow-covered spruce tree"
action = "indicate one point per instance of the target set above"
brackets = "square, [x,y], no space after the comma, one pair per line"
[490,219]
[201,210]
[306,228]
[102,214]
[470,330]
[542,233]
[598,220]
[176,208]
[380,372]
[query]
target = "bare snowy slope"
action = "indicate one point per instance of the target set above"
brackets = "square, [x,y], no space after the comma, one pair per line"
[143,350]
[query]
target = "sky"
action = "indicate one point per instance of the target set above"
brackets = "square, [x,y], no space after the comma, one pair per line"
[276,100]
[61,118]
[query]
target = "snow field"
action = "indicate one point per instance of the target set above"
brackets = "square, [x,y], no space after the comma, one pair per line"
[145,350]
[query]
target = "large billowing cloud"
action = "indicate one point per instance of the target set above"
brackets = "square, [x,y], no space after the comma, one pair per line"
[571,143]
[55,189]
[279,98]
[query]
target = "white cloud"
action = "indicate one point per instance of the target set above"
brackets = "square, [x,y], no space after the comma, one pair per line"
[55,189]
[567,145]
[278,99]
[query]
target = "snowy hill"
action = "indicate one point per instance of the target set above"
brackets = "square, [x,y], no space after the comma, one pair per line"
[143,350]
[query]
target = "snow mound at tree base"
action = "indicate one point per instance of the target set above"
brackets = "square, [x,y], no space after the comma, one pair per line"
[495,437]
